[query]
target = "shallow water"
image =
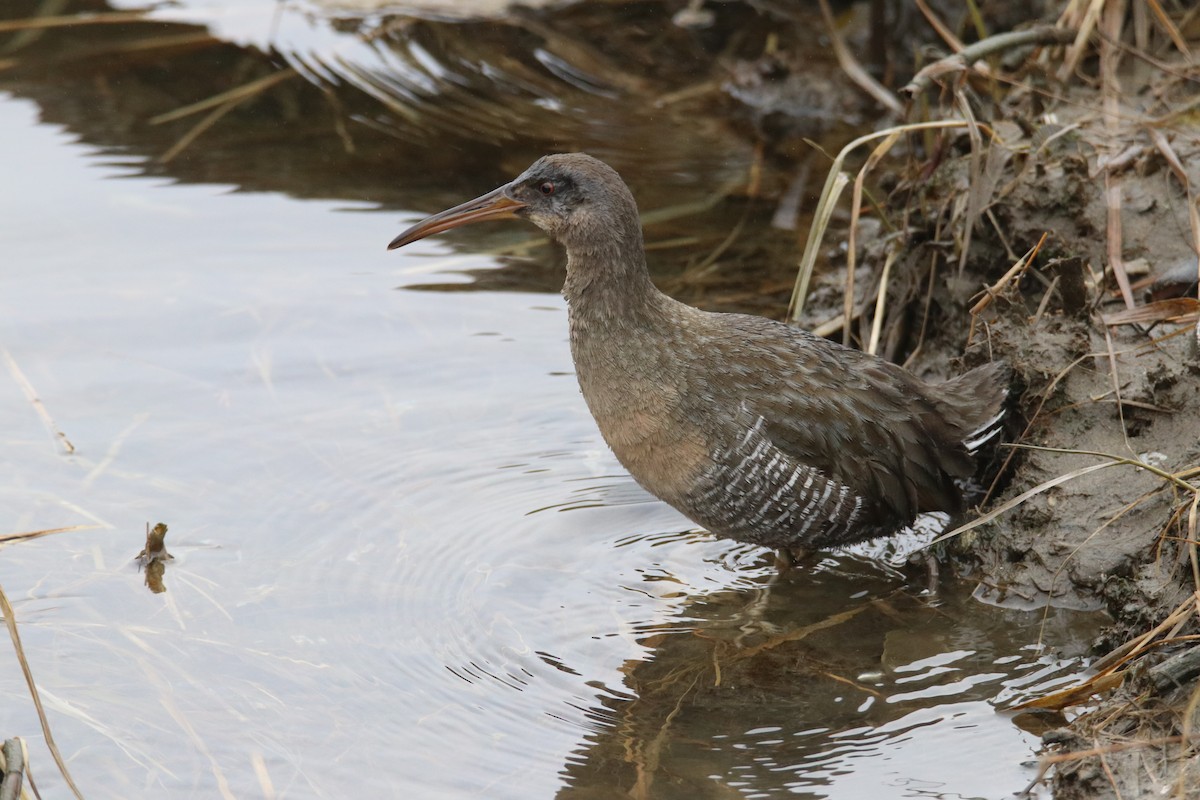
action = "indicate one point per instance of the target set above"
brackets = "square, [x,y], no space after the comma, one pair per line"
[406,564]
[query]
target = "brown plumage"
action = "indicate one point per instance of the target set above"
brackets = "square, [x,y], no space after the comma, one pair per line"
[757,430]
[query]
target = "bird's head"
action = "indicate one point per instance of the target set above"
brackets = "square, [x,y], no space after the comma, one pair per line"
[576,199]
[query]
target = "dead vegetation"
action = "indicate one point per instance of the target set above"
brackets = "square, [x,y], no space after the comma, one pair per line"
[15,767]
[1055,199]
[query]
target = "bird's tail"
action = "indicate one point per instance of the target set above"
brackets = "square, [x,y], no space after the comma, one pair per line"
[974,402]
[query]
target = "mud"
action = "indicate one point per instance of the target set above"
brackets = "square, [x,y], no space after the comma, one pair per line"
[1114,537]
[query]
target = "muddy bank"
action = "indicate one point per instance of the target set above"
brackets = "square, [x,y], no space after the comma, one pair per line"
[1101,330]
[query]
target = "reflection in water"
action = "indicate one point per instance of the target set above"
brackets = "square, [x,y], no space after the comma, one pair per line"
[413,113]
[413,569]
[844,680]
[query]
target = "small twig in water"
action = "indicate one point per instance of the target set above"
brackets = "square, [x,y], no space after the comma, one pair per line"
[32,395]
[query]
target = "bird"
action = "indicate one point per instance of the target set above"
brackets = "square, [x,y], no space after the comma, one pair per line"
[755,429]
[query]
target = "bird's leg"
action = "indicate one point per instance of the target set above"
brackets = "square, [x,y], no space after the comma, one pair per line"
[788,557]
[752,615]
[785,559]
[932,574]
[783,562]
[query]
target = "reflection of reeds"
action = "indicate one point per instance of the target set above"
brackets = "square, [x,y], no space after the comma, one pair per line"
[72,21]
[709,663]
[221,104]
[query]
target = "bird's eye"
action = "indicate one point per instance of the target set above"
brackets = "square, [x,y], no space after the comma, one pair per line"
[546,188]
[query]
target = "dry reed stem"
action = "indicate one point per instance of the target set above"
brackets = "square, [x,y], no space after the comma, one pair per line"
[38,406]
[974,172]
[1170,477]
[14,763]
[830,326]
[711,259]
[178,41]
[1116,388]
[880,300]
[1070,18]
[1113,247]
[977,19]
[834,185]
[1108,670]
[339,119]
[1114,11]
[220,782]
[114,449]
[939,27]
[1014,273]
[855,213]
[1168,152]
[853,69]
[9,538]
[1174,310]
[185,141]
[1135,646]
[1192,540]
[648,757]
[1108,773]
[1173,32]
[1046,762]
[852,683]
[263,776]
[1044,303]
[833,620]
[10,620]
[668,213]
[997,228]
[1064,478]
[1075,695]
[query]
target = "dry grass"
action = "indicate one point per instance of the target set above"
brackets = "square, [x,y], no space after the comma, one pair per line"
[38,406]
[1090,35]
[10,621]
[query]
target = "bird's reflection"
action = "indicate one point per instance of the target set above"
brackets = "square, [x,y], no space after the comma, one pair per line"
[755,690]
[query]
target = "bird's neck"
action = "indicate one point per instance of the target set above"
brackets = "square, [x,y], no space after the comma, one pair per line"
[609,292]
[625,336]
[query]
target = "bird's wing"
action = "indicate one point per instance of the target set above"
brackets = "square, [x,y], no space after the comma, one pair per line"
[858,419]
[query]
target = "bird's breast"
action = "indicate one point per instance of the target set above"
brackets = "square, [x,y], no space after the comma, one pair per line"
[643,421]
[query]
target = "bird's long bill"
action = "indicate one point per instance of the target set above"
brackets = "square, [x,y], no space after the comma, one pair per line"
[496,204]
